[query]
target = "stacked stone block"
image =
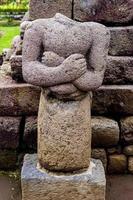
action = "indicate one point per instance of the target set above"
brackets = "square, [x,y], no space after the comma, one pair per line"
[112,108]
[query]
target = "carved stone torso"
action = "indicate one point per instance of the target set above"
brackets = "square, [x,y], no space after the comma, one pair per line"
[66,39]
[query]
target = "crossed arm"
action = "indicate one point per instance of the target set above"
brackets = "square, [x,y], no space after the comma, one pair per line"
[38,74]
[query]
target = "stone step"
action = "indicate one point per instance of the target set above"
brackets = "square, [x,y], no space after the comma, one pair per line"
[113,99]
[121,43]
[119,69]
[19,99]
[23,99]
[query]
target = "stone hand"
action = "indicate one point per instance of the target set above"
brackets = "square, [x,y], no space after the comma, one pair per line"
[74,66]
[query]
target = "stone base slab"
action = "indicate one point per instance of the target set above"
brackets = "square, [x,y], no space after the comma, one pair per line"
[42,185]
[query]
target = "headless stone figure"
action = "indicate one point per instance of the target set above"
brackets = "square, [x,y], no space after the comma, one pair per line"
[67,59]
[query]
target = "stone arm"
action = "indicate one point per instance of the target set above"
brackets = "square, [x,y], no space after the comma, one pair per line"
[96,59]
[36,73]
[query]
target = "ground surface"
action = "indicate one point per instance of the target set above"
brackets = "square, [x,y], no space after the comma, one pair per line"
[6,35]
[118,188]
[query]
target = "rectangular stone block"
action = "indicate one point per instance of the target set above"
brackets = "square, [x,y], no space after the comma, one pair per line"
[16,68]
[19,99]
[105,132]
[119,70]
[30,132]
[48,8]
[121,43]
[42,185]
[9,132]
[113,99]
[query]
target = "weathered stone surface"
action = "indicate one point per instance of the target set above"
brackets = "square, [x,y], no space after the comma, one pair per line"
[128,150]
[117,163]
[36,184]
[127,129]
[120,11]
[121,43]
[19,99]
[101,155]
[30,132]
[115,150]
[130,164]
[119,70]
[16,68]
[105,132]
[79,71]
[8,159]
[9,132]
[113,99]
[5,74]
[46,9]
[64,141]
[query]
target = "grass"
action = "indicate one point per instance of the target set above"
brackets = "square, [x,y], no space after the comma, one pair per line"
[8,32]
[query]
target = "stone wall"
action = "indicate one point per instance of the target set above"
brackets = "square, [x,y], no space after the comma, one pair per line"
[112,107]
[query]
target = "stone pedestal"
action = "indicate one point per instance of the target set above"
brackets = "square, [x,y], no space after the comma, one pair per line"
[37,184]
[64,134]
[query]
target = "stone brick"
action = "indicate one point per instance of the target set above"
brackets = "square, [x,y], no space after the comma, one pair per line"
[39,184]
[115,150]
[119,70]
[117,164]
[19,99]
[101,155]
[9,132]
[46,9]
[128,150]
[121,43]
[8,159]
[30,132]
[130,164]
[127,129]
[113,99]
[16,68]
[120,11]
[105,132]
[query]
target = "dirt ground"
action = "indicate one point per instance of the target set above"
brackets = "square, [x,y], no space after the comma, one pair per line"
[118,188]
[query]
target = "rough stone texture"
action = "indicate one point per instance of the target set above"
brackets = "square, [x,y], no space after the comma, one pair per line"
[8,159]
[121,43]
[64,140]
[119,70]
[80,72]
[42,185]
[115,150]
[117,163]
[19,99]
[16,46]
[46,9]
[128,150]
[5,74]
[130,164]
[113,100]
[127,129]
[100,154]
[120,11]
[9,132]
[30,132]
[105,132]
[16,68]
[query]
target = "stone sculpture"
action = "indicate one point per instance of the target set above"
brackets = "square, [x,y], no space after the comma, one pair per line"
[67,59]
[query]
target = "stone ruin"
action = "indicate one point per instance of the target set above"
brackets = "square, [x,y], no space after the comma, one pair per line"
[112,108]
